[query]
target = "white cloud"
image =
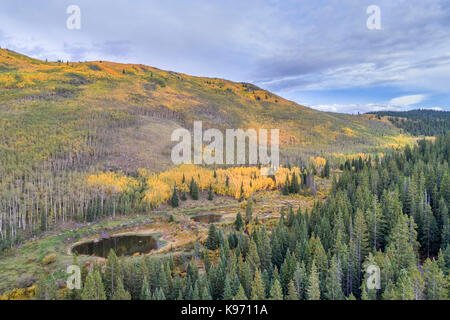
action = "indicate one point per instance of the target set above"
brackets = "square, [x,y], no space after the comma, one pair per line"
[364,108]
[434,108]
[408,100]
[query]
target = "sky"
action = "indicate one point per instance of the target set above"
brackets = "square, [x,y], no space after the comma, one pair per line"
[321,54]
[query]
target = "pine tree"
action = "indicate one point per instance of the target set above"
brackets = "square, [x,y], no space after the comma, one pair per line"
[300,280]
[334,281]
[360,244]
[195,191]
[212,242]
[287,271]
[93,287]
[120,293]
[113,273]
[253,257]
[292,292]
[191,186]
[265,250]
[403,289]
[210,193]
[227,291]
[145,291]
[258,291]
[435,281]
[313,291]
[286,184]
[295,188]
[174,200]
[276,293]
[46,288]
[238,223]
[326,170]
[375,225]
[159,294]
[445,187]
[402,243]
[240,294]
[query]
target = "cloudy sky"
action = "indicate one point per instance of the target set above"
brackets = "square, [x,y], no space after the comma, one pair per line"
[318,53]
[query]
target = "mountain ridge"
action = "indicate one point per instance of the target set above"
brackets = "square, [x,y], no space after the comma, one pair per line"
[95,104]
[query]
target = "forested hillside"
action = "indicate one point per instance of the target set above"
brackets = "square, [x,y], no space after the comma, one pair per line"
[61,123]
[391,212]
[420,122]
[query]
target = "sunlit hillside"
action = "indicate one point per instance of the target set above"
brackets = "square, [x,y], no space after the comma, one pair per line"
[120,116]
[70,130]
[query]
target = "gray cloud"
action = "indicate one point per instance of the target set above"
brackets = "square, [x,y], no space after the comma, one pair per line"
[285,46]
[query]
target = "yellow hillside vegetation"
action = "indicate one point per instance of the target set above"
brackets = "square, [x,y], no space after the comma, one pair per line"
[110,182]
[160,186]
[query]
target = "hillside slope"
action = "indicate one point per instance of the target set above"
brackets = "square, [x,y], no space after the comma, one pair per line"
[120,116]
[419,122]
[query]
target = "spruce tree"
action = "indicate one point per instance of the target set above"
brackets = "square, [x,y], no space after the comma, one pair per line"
[174,200]
[240,294]
[326,170]
[93,287]
[113,273]
[145,291]
[212,242]
[46,288]
[227,291]
[295,187]
[435,281]
[275,292]
[286,184]
[334,281]
[292,292]
[258,291]
[210,193]
[195,191]
[313,291]
[120,293]
[238,222]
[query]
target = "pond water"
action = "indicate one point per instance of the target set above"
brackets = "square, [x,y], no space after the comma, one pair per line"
[207,218]
[122,245]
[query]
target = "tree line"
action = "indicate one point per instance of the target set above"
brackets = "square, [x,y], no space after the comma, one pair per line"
[419,122]
[389,212]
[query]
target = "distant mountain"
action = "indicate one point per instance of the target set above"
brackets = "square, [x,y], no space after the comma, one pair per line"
[120,116]
[420,121]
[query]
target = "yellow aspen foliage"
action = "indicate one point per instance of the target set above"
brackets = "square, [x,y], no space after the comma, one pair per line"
[19,294]
[225,182]
[110,182]
[318,162]
[158,191]
[160,186]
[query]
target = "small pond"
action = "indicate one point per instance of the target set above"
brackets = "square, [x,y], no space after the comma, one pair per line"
[207,218]
[126,245]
